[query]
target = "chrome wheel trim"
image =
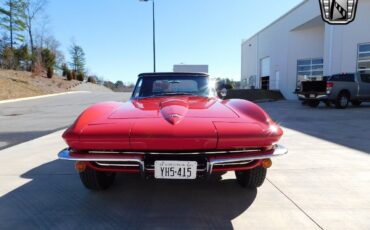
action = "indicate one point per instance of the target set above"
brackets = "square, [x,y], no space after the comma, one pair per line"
[343,101]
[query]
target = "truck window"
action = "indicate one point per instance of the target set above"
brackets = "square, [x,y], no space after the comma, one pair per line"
[343,77]
[365,77]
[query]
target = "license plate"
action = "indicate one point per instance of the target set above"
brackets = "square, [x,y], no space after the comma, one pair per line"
[175,169]
[312,95]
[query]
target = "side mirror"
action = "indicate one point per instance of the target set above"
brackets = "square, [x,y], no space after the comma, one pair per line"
[223,93]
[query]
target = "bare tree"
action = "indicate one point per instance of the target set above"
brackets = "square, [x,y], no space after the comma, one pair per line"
[78,62]
[32,10]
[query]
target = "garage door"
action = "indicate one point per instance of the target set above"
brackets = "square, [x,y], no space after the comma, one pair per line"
[265,67]
[265,73]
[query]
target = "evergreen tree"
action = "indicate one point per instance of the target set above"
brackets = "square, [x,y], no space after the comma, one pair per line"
[11,20]
[48,61]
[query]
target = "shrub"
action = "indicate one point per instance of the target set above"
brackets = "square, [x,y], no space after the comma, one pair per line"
[73,74]
[109,84]
[37,68]
[9,60]
[50,72]
[48,61]
[80,76]
[69,75]
[92,79]
[65,69]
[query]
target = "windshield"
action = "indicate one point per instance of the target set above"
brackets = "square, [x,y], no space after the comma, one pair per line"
[157,86]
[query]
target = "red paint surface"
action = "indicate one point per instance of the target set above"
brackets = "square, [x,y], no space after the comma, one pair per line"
[176,123]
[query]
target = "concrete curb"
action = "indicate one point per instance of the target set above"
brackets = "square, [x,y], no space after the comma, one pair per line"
[41,96]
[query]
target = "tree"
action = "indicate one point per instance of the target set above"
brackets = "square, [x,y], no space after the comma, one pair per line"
[69,75]
[48,61]
[52,44]
[119,84]
[65,69]
[78,59]
[31,9]
[109,84]
[12,21]
[22,58]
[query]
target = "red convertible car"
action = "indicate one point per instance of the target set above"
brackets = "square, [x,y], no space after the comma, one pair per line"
[173,127]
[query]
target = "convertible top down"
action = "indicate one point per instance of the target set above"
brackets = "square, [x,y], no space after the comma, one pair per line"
[174,127]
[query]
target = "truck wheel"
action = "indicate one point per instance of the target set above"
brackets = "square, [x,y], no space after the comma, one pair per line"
[356,103]
[313,103]
[252,178]
[95,180]
[342,101]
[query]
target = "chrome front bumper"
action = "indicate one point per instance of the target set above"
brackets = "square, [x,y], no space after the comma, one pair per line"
[213,160]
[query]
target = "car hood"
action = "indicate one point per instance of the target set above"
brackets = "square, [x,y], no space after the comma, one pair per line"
[173,109]
[172,123]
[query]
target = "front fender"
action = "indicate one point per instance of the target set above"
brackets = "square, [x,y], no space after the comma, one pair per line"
[250,109]
[91,114]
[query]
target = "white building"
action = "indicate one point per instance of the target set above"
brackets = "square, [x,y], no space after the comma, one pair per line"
[300,45]
[190,68]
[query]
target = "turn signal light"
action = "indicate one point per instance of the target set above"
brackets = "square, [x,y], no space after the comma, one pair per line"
[266,163]
[80,166]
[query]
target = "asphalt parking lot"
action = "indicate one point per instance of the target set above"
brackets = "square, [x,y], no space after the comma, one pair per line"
[323,183]
[25,120]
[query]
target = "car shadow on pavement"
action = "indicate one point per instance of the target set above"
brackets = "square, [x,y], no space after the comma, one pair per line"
[13,138]
[348,127]
[54,198]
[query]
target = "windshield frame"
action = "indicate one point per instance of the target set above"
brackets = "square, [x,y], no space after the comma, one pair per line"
[211,86]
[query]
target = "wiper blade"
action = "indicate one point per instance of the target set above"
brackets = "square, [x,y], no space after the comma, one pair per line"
[171,94]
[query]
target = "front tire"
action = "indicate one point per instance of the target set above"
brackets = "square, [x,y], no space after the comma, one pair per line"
[252,178]
[95,180]
[342,101]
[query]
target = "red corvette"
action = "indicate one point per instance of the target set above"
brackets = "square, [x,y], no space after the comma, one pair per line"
[174,127]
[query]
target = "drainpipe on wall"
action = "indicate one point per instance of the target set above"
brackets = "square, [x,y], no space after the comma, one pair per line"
[330,56]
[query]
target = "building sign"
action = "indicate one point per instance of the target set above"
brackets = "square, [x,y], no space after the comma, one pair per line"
[338,12]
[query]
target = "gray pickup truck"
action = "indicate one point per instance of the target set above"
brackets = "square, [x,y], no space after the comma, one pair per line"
[339,89]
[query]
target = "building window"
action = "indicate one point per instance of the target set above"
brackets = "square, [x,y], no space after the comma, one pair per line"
[363,61]
[309,69]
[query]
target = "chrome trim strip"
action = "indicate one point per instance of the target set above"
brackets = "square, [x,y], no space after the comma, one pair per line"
[117,165]
[179,153]
[198,170]
[65,154]
[278,151]
[234,163]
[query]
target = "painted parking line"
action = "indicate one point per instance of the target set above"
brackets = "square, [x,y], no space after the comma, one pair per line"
[41,96]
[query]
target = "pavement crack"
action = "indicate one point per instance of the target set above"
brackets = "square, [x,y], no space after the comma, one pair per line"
[295,204]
